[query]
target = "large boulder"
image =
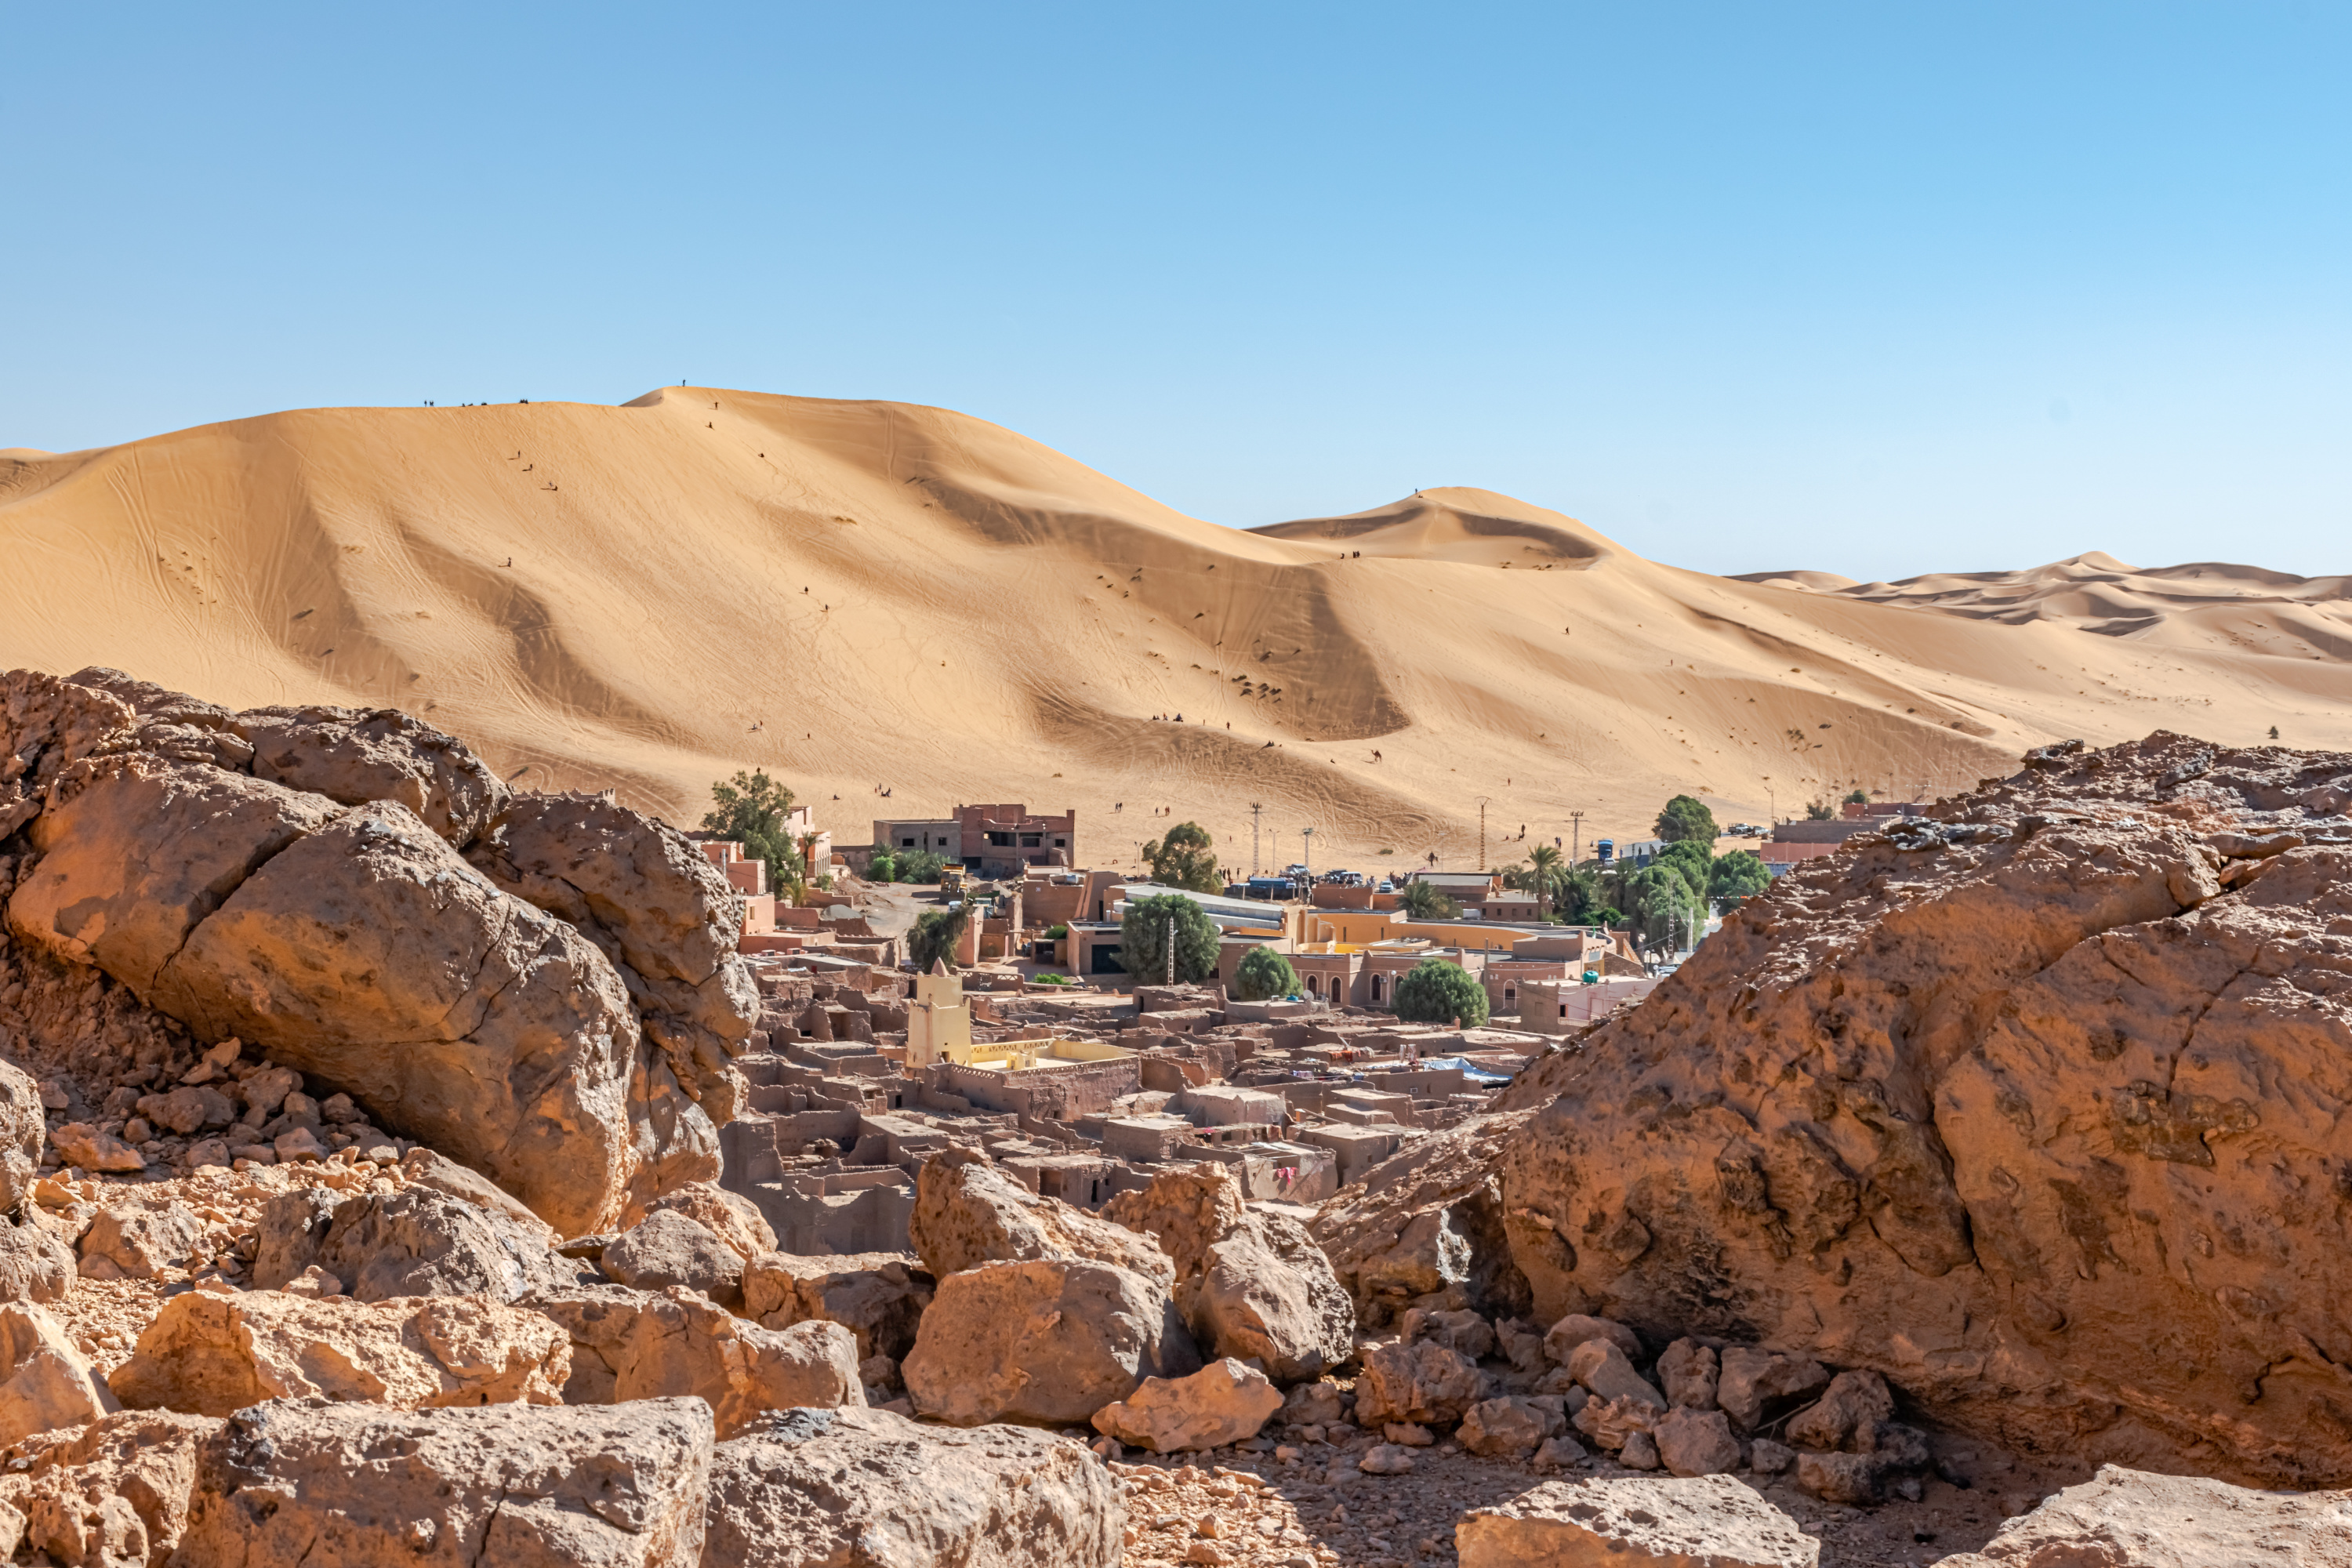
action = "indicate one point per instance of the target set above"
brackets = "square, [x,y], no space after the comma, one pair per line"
[2143,1520]
[210,1354]
[1416,1384]
[679,1343]
[667,1248]
[1712,1521]
[1222,1403]
[2034,1106]
[661,911]
[1426,1226]
[35,1265]
[46,1383]
[23,1128]
[291,877]
[968,1213]
[1252,1286]
[364,1487]
[822,1488]
[412,1243]
[133,1240]
[114,1491]
[876,1295]
[1043,1339]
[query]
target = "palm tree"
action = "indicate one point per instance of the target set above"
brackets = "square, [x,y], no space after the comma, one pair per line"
[1544,860]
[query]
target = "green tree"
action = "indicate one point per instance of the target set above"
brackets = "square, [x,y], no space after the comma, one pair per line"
[935,934]
[920,865]
[755,810]
[1185,858]
[1685,818]
[1422,901]
[1692,859]
[1143,939]
[1544,868]
[1436,992]
[882,867]
[1736,875]
[1662,908]
[1264,972]
[1819,810]
[1858,797]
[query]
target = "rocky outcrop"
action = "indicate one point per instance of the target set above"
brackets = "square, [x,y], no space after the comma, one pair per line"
[413,1242]
[35,1265]
[876,1296]
[292,877]
[1715,1521]
[114,1492]
[22,1131]
[819,1488]
[679,1343]
[2034,1106]
[2130,1517]
[210,1353]
[1251,1286]
[1426,1227]
[667,1248]
[660,911]
[1045,1339]
[1222,1403]
[523,1486]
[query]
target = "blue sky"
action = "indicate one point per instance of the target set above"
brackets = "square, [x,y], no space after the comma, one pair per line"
[1879,289]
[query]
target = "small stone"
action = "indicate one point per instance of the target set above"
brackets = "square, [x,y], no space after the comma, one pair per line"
[1630,1521]
[1386,1459]
[1572,1330]
[314,1282]
[138,1131]
[1696,1442]
[1408,1434]
[1767,1457]
[1639,1452]
[79,1143]
[300,1143]
[1559,1453]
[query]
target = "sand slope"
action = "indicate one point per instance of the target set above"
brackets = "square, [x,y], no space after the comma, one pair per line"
[867,595]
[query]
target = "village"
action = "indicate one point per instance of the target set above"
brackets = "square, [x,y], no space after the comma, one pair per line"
[1029,1039]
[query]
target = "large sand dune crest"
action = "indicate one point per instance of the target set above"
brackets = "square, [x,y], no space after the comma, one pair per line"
[860,596]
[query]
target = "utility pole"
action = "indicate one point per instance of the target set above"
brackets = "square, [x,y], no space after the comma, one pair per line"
[1482,832]
[1306,852]
[1575,839]
[1256,812]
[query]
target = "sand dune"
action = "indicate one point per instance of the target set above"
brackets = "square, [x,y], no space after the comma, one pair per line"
[861,594]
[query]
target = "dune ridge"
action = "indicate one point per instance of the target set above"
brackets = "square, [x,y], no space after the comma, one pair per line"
[863,595]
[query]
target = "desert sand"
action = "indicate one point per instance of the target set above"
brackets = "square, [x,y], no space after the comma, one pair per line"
[859,595]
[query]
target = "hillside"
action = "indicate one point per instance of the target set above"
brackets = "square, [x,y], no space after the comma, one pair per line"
[869,595]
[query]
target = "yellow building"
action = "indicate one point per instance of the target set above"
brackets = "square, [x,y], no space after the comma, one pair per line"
[939,1020]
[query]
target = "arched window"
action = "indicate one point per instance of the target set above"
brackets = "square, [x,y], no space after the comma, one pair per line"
[1315,985]
[1510,996]
[1376,987]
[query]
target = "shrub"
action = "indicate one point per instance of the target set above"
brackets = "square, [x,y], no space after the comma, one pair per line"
[1264,972]
[921,866]
[1143,939]
[1436,992]
[935,934]
[1686,818]
[1185,858]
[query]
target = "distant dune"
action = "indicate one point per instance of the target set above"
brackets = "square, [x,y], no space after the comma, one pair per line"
[858,596]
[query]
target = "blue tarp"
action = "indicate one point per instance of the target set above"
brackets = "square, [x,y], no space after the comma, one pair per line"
[1476,1074]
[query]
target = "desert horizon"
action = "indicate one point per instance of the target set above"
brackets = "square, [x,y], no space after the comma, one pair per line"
[860,596]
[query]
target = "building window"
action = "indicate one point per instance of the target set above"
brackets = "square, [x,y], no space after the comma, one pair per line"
[1510,995]
[1002,840]
[1315,985]
[906,844]
[1061,844]
[1376,987]
[1032,840]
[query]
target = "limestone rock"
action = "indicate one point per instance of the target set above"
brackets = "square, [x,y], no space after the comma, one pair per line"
[1313,1404]
[1976,1102]
[734,1218]
[1613,1423]
[1751,1379]
[1845,1416]
[2133,1519]
[1767,1457]
[45,726]
[668,1248]
[412,1243]
[1253,1286]
[1601,1367]
[1694,1442]
[1687,1372]
[1222,1403]
[436,1173]
[23,1130]
[1561,1339]
[968,1214]
[210,1354]
[1420,1383]
[79,1144]
[1711,1522]
[135,1241]
[287,1236]
[1510,1427]
[1386,1459]
[522,1487]
[144,1460]
[1043,1340]
[818,1489]
[188,1109]
[600,1320]
[1462,1330]
[357,755]
[876,1295]
[1428,1221]
[679,1343]
[35,1265]
[1850,1479]
[1558,1453]
[46,1383]
[668,919]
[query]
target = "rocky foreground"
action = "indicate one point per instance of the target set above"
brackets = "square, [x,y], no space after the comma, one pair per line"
[356,1173]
